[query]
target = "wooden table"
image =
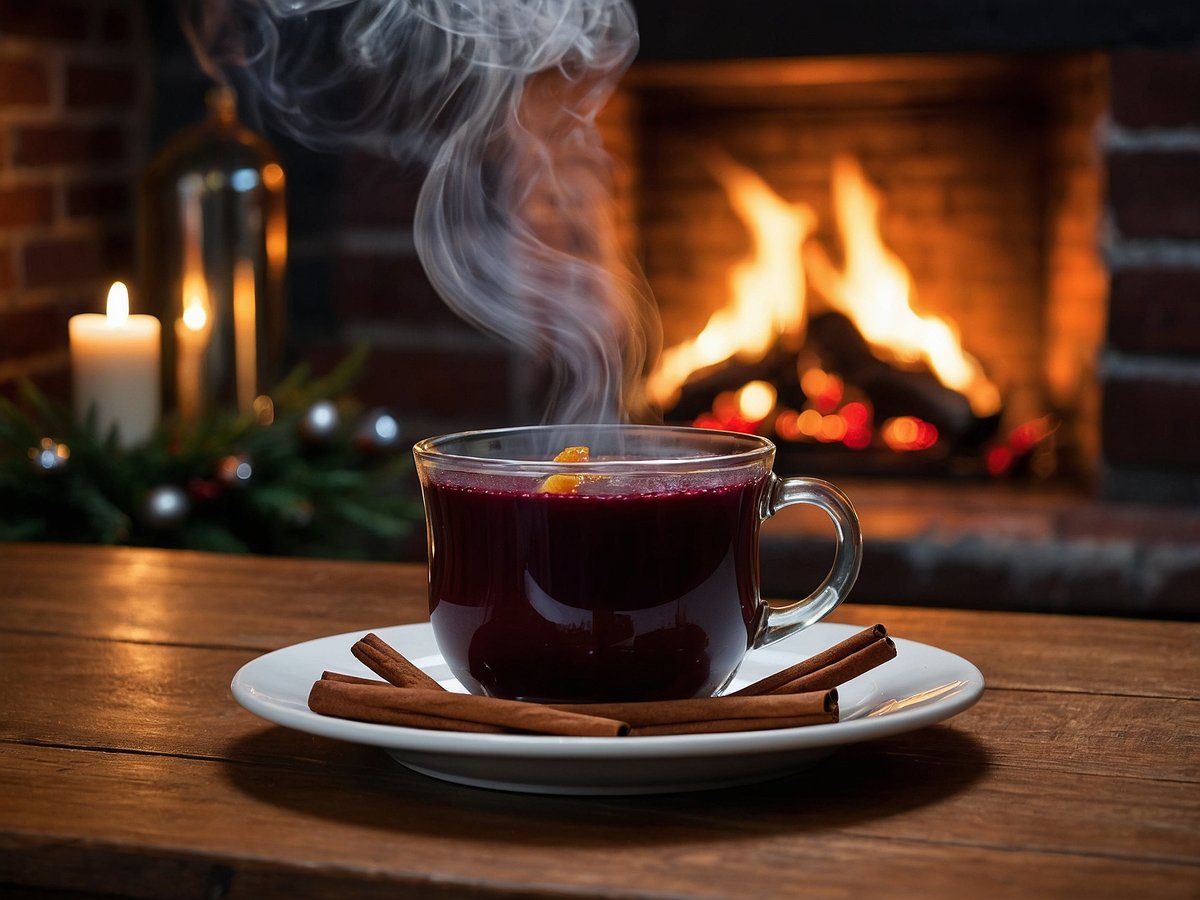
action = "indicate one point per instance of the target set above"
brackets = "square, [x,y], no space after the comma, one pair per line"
[126,767]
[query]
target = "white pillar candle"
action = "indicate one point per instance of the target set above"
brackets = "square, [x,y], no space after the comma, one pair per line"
[115,369]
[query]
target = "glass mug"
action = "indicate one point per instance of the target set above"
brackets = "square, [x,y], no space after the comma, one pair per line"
[631,576]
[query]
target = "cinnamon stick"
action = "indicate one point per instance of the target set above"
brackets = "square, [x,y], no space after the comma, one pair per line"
[386,662]
[717,713]
[834,665]
[352,679]
[718,726]
[423,708]
[670,712]
[843,670]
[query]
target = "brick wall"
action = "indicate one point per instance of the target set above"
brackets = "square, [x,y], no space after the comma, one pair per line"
[426,365]
[72,87]
[1150,379]
[432,369]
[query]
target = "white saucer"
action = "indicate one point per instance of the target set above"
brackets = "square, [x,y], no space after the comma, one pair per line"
[922,685]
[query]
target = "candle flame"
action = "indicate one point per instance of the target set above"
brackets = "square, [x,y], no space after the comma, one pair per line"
[194,317]
[195,312]
[117,308]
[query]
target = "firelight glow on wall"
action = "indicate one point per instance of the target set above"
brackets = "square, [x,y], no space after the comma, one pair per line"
[213,248]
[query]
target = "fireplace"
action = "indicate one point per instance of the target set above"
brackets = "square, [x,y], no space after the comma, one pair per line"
[937,305]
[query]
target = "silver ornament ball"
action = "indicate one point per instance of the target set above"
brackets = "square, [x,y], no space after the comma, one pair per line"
[235,470]
[378,433]
[49,457]
[164,508]
[320,422]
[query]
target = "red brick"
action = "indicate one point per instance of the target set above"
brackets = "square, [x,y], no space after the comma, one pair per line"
[374,287]
[23,82]
[117,255]
[54,262]
[1151,421]
[379,192]
[1155,194]
[100,85]
[47,145]
[44,19]
[1155,310]
[115,26]
[1174,572]
[28,332]
[26,205]
[1155,88]
[7,274]
[471,381]
[99,198]
[54,383]
[1099,522]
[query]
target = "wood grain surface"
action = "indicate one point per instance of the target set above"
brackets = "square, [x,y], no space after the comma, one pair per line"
[127,769]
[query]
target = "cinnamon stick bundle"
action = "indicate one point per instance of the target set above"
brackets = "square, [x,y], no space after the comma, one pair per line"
[803,694]
[848,659]
[349,697]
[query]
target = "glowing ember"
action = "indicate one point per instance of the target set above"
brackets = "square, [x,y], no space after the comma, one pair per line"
[823,389]
[756,400]
[1023,443]
[908,433]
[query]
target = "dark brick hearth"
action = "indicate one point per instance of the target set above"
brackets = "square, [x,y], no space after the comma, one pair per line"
[998,547]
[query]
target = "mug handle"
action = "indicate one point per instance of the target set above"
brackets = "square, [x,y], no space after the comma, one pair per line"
[780,621]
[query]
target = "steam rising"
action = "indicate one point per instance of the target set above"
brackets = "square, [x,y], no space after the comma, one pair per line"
[498,99]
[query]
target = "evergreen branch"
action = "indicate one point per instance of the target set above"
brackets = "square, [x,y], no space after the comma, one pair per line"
[322,499]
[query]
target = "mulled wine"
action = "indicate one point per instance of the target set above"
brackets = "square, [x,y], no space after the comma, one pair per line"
[594,596]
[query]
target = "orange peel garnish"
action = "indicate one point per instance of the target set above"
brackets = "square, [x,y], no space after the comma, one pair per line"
[574,454]
[567,484]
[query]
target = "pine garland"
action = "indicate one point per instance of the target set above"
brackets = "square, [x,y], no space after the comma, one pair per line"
[246,486]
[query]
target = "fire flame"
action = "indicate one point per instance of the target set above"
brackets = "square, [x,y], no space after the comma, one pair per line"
[874,290]
[768,290]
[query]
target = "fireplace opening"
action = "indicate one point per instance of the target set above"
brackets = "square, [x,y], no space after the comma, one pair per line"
[890,265]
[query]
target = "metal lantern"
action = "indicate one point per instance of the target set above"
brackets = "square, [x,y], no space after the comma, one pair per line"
[213,251]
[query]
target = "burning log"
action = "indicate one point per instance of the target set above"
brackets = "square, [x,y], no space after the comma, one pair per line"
[778,367]
[894,391]
[835,343]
